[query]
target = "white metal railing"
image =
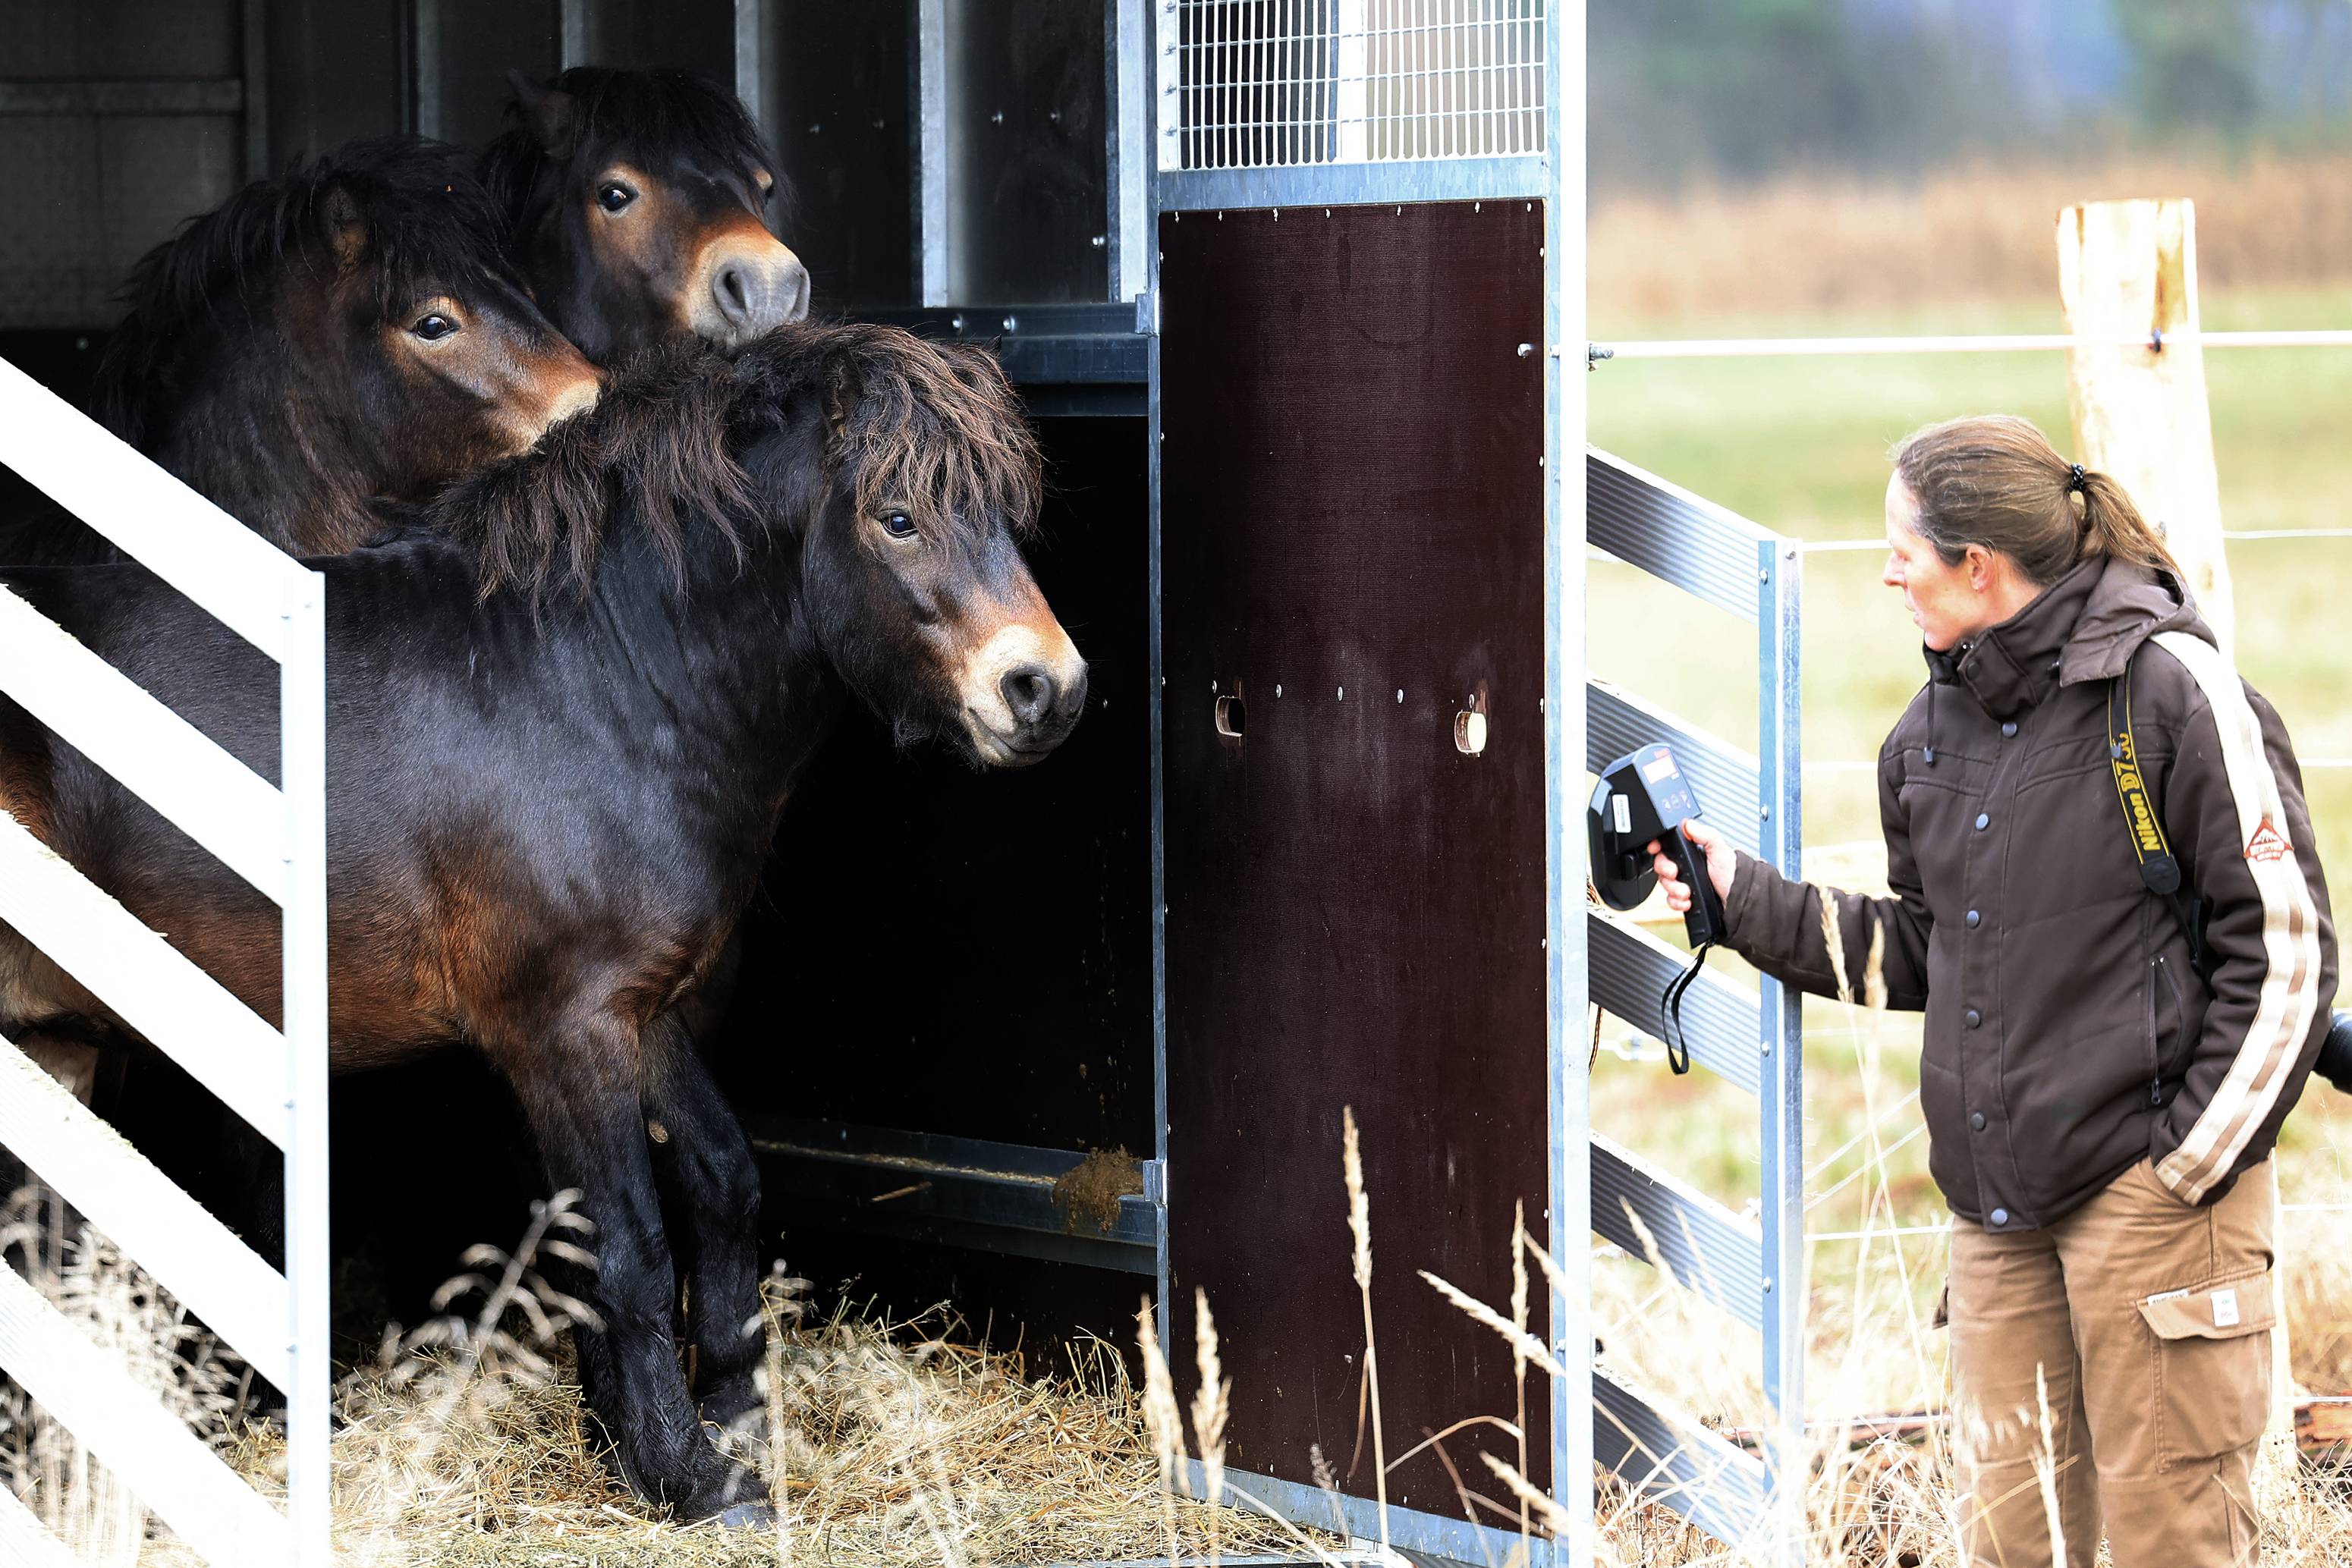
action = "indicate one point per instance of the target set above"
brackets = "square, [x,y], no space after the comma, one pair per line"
[1254,84]
[272,835]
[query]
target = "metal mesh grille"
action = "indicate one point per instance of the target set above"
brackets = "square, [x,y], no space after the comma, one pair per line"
[1248,84]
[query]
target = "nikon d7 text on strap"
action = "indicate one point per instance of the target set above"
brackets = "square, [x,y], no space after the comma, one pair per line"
[2157,868]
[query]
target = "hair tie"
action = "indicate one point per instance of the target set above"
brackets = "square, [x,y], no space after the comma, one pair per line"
[2075,484]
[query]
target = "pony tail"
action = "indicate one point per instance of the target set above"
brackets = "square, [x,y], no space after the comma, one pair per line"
[2112,526]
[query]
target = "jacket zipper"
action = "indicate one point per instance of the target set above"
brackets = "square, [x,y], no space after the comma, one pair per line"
[2179,1019]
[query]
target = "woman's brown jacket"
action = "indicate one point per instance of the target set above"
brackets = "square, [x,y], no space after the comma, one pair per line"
[2067,1036]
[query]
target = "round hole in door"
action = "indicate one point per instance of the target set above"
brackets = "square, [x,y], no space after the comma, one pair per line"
[1232,718]
[1470,733]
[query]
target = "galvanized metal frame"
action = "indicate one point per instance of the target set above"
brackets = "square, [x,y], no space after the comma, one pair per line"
[279,607]
[1755,1274]
[752,27]
[1430,1538]
[576,34]
[1129,161]
[1143,41]
[928,92]
[1779,573]
[1566,741]
[1351,185]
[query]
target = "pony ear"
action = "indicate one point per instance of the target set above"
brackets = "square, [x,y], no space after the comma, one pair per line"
[344,226]
[842,391]
[549,113]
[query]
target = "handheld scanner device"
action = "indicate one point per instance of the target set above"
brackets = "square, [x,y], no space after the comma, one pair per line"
[1643,796]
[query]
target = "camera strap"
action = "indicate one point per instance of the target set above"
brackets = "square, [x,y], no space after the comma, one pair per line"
[2158,867]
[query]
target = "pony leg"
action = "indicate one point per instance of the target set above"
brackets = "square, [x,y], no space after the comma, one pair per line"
[591,1132]
[711,1187]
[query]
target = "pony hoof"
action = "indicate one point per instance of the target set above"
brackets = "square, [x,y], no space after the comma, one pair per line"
[748,1516]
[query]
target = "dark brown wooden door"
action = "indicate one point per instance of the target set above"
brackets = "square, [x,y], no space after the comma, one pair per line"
[1352,543]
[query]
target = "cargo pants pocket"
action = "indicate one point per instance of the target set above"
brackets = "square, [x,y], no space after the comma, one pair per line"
[2212,1365]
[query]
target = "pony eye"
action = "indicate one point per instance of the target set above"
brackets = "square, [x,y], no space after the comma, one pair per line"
[612,196]
[433,326]
[900,525]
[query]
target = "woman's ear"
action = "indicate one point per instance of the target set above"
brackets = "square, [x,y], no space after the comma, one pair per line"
[1980,566]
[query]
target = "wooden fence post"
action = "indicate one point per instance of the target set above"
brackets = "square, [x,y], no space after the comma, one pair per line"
[2128,274]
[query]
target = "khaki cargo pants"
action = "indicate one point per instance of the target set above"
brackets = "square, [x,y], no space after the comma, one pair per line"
[2149,1324]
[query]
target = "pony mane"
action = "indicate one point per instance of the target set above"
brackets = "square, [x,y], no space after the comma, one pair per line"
[653,451]
[915,422]
[665,111]
[428,222]
[918,420]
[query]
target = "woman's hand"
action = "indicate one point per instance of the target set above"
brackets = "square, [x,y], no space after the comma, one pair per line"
[1722,860]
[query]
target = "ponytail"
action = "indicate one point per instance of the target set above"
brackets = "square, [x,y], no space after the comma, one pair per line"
[2113,526]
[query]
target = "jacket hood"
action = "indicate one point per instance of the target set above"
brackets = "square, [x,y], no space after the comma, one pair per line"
[2083,627]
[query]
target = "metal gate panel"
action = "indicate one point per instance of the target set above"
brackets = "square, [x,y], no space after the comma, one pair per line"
[1353,549]
[1726,561]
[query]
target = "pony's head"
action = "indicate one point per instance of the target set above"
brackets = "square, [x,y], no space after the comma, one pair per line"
[344,331]
[637,203]
[918,478]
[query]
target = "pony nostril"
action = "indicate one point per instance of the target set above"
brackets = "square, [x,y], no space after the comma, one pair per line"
[1029,692]
[795,292]
[734,298]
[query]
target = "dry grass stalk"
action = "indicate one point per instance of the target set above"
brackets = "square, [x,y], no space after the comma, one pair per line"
[1874,974]
[1162,1417]
[1553,1277]
[781,1309]
[1518,1361]
[1328,1482]
[2045,1473]
[1525,1346]
[1359,1226]
[1556,1518]
[1211,1404]
[1834,937]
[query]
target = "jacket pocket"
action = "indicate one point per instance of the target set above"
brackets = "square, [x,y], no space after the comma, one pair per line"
[2212,1349]
[2170,1013]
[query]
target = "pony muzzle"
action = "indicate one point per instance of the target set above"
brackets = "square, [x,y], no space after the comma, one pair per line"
[1024,691]
[562,386]
[749,283]
[578,397]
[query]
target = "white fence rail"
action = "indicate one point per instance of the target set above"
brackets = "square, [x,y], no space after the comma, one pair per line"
[272,835]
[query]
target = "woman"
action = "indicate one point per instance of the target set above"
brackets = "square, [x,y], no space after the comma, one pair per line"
[2104,1073]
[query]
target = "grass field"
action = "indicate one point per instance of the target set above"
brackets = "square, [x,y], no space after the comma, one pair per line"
[1800,445]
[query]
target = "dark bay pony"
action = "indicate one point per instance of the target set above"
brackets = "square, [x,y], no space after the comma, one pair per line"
[564,715]
[342,333]
[636,201]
